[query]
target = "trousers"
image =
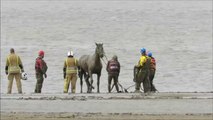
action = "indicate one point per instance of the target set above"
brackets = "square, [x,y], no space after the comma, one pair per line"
[70,78]
[17,76]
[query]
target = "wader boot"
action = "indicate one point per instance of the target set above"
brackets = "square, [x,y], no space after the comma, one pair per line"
[39,82]
[135,72]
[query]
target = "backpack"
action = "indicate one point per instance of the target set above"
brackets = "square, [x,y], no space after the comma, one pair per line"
[113,66]
[153,63]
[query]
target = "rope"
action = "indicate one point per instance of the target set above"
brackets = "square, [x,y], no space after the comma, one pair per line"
[130,86]
[106,57]
[103,61]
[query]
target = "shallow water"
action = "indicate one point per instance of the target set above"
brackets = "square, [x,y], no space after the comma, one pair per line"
[179,33]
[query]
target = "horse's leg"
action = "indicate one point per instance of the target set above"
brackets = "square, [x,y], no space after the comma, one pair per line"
[87,82]
[91,81]
[98,82]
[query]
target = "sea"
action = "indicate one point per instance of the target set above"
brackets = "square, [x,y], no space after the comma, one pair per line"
[177,32]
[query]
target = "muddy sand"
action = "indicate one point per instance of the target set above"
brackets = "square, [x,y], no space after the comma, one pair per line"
[104,106]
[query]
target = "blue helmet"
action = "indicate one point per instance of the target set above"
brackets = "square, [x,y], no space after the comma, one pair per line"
[143,50]
[150,54]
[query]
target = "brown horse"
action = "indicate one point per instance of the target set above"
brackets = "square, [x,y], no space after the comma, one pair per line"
[89,65]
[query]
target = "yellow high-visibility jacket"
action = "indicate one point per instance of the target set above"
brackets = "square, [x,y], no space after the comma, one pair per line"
[142,61]
[13,62]
[71,65]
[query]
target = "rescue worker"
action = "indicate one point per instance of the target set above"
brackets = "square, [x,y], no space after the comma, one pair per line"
[152,71]
[40,69]
[12,69]
[113,69]
[70,72]
[142,72]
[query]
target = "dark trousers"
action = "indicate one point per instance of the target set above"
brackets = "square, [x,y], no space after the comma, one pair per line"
[151,77]
[142,76]
[39,83]
[115,78]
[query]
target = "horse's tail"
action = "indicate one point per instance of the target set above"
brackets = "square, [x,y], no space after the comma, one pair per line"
[81,72]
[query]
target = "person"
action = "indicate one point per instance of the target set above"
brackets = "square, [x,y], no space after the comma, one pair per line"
[12,69]
[113,69]
[142,72]
[70,72]
[152,71]
[40,69]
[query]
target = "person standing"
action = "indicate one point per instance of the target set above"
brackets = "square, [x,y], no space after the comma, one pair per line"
[12,69]
[143,72]
[40,69]
[152,71]
[113,69]
[70,72]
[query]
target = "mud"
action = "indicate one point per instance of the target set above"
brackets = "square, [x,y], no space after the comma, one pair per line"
[123,106]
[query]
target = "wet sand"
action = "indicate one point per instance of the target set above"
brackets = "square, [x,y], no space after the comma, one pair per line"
[124,106]
[79,116]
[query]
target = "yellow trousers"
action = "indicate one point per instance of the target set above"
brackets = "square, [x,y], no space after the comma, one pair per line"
[70,78]
[11,76]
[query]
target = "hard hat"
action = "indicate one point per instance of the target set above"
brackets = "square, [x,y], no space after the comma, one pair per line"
[24,76]
[41,53]
[150,54]
[70,53]
[143,50]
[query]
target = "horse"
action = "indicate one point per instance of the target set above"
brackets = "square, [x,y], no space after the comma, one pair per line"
[89,65]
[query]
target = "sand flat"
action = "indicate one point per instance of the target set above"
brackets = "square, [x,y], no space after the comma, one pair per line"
[133,106]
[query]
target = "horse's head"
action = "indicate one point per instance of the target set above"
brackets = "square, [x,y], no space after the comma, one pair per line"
[99,49]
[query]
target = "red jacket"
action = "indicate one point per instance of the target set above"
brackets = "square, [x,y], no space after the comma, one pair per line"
[40,66]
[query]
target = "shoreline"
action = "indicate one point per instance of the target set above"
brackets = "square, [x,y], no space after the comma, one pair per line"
[106,96]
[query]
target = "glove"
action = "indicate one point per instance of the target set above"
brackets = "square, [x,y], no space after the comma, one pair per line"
[6,72]
[22,70]
[45,75]
[64,75]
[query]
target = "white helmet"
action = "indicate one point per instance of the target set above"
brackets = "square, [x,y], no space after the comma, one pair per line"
[70,53]
[24,76]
